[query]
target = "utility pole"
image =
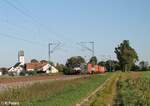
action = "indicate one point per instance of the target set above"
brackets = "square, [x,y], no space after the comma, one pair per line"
[51,50]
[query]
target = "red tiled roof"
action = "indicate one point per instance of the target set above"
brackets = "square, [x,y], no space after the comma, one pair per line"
[35,66]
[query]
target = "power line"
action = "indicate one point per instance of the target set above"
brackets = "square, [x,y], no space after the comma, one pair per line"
[15,25]
[21,11]
[21,39]
[91,49]
[33,19]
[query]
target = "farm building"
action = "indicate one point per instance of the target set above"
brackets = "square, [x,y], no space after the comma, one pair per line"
[41,66]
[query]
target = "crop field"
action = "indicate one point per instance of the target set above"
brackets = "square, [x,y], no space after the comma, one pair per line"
[54,93]
[134,91]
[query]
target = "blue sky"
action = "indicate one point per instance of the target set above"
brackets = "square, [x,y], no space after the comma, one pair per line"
[107,22]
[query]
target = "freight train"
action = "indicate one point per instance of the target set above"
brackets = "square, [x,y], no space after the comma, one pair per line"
[95,69]
[89,69]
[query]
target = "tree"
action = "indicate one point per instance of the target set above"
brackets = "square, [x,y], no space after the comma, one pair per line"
[102,63]
[126,55]
[43,61]
[4,70]
[135,68]
[60,67]
[34,61]
[72,63]
[115,65]
[143,65]
[111,65]
[93,60]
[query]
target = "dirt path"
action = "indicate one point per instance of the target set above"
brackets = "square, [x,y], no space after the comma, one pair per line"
[103,95]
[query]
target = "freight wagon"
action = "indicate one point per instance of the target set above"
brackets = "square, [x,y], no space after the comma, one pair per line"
[96,69]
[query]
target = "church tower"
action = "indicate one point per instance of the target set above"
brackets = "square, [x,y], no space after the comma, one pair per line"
[21,58]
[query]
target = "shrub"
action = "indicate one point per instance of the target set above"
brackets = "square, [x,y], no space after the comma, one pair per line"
[70,71]
[11,74]
[23,73]
[32,72]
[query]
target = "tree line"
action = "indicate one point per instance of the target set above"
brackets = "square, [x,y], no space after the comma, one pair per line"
[126,55]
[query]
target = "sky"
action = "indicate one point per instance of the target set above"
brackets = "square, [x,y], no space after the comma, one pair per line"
[30,25]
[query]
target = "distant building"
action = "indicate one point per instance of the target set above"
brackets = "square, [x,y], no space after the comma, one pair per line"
[16,69]
[41,66]
[35,66]
[19,66]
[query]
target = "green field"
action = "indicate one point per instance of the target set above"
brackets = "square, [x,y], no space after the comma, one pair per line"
[56,93]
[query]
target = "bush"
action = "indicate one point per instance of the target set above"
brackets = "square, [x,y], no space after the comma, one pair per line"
[41,72]
[11,73]
[70,71]
[32,72]
[23,73]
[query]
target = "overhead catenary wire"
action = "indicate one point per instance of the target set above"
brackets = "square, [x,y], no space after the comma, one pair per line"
[19,28]
[21,39]
[91,49]
[35,20]
[21,11]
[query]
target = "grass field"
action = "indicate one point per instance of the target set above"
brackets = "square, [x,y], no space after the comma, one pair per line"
[55,93]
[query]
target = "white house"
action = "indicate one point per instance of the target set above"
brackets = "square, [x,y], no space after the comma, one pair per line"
[16,69]
[49,69]
[46,67]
